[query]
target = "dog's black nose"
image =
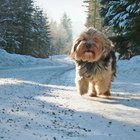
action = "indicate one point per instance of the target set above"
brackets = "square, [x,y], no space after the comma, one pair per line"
[88,46]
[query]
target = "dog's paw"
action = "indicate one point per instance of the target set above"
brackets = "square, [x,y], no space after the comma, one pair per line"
[93,94]
[107,93]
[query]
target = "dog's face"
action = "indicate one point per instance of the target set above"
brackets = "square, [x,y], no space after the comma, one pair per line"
[90,46]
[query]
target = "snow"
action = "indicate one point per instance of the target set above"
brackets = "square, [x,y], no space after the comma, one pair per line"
[131,8]
[130,68]
[121,18]
[39,101]
[15,60]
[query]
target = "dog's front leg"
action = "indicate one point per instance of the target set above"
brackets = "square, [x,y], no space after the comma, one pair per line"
[103,86]
[92,89]
[82,85]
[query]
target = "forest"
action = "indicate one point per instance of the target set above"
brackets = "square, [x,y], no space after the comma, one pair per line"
[25,28]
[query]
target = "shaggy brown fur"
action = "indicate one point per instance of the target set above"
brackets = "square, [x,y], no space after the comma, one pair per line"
[95,63]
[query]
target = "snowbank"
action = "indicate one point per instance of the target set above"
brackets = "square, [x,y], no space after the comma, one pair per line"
[129,68]
[125,68]
[9,60]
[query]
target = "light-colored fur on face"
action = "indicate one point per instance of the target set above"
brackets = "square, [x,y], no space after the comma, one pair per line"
[95,63]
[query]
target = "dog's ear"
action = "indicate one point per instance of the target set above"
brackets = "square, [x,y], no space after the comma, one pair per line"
[111,44]
[76,43]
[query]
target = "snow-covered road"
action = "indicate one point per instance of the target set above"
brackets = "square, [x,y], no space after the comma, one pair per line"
[41,103]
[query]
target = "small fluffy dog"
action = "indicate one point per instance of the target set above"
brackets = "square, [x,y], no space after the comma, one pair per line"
[95,63]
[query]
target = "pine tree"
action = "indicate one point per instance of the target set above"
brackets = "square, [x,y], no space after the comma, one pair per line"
[55,35]
[93,13]
[21,25]
[41,34]
[123,16]
[66,31]
[15,22]
[61,35]
[67,25]
[25,17]
[8,25]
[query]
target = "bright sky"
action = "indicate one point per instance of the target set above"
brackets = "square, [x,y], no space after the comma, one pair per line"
[73,8]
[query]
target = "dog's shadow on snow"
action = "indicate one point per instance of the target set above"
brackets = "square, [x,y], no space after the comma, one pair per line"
[124,93]
[128,100]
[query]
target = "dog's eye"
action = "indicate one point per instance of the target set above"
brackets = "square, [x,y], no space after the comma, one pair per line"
[84,39]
